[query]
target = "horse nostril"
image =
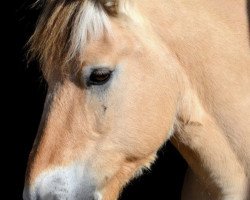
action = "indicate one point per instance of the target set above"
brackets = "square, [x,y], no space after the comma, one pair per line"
[95,198]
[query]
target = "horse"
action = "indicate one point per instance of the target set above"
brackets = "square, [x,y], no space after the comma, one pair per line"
[126,76]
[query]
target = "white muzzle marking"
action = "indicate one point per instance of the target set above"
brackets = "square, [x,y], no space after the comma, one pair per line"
[69,183]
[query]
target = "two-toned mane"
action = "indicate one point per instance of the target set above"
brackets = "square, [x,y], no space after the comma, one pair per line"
[126,76]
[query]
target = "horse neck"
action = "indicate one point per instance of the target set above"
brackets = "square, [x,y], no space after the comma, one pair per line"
[211,42]
[207,38]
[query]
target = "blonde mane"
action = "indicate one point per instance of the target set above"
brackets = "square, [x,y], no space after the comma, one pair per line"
[63,30]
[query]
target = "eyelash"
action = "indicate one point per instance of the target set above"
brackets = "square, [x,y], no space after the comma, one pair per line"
[99,77]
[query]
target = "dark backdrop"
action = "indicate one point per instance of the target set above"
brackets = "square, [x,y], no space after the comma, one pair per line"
[26,93]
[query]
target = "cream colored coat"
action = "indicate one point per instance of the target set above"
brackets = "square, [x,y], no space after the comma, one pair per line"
[181,72]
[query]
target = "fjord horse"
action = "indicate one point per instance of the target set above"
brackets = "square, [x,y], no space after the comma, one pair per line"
[124,76]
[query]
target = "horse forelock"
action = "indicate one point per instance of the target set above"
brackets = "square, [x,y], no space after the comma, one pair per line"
[63,30]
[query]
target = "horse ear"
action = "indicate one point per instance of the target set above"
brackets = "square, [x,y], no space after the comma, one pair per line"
[111,6]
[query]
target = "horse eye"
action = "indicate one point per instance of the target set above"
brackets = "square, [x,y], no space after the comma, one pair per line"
[99,77]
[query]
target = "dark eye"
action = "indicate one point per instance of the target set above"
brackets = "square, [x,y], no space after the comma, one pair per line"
[99,77]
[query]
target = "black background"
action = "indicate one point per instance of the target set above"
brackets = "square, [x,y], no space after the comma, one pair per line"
[25,93]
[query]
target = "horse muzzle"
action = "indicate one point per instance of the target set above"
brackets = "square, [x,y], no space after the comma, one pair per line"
[62,184]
